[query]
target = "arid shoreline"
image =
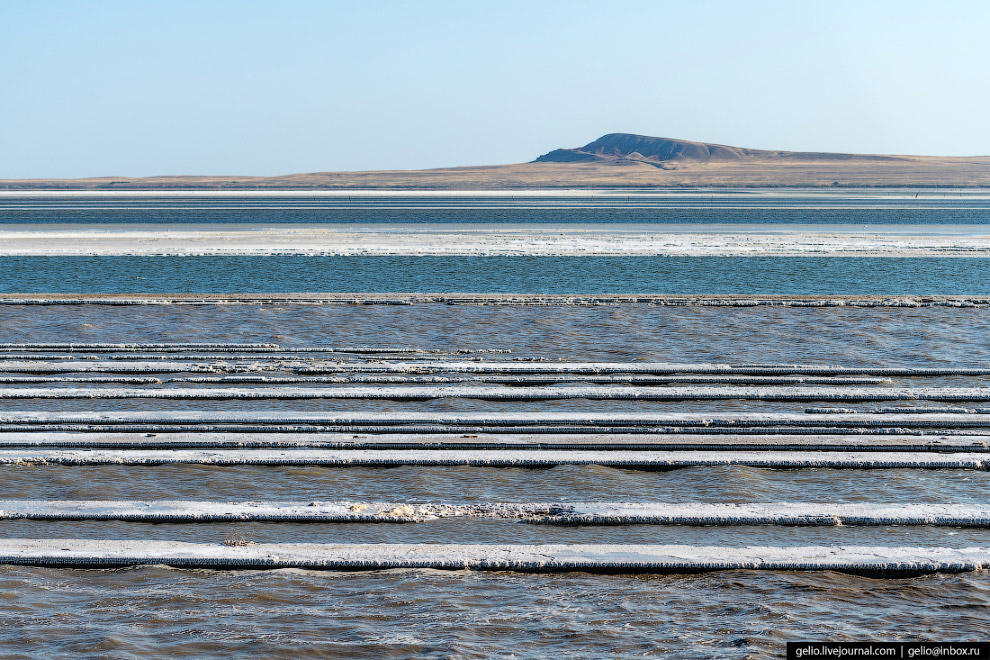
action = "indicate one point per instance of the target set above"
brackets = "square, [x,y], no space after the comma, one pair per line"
[904,172]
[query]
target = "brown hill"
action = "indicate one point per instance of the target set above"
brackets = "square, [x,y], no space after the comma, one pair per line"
[615,148]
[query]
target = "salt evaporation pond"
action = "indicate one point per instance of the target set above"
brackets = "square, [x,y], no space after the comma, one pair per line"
[148,611]
[154,611]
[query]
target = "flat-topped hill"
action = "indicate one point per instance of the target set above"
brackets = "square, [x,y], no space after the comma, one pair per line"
[616,147]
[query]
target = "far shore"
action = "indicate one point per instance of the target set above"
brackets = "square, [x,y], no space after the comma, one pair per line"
[903,172]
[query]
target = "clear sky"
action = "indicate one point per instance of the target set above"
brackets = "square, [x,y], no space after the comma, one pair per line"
[139,88]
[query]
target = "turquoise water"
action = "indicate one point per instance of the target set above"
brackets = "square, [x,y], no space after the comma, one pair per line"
[529,274]
[939,209]
[672,207]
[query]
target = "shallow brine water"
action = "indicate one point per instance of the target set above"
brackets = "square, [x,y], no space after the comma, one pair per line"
[497,274]
[156,612]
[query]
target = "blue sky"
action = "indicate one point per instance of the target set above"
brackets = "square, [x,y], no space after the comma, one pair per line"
[145,88]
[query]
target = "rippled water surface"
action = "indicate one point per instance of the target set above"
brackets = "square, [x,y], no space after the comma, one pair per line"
[156,612]
[497,274]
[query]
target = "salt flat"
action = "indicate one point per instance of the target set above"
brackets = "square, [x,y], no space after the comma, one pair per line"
[502,240]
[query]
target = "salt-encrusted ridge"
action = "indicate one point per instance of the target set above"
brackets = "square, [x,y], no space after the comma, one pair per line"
[556,513]
[871,560]
[500,458]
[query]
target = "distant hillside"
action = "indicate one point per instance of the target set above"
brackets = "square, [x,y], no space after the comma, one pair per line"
[616,160]
[616,148]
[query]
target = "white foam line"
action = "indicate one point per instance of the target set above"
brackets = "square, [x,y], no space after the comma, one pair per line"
[162,356]
[923,432]
[933,409]
[157,367]
[559,513]
[497,419]
[769,513]
[365,192]
[909,192]
[193,511]
[217,356]
[586,441]
[650,368]
[184,346]
[129,380]
[511,299]
[262,349]
[519,380]
[509,207]
[497,393]
[901,410]
[872,560]
[498,458]
[700,380]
